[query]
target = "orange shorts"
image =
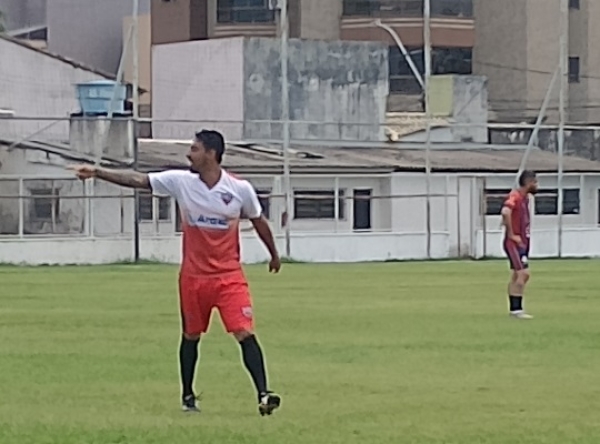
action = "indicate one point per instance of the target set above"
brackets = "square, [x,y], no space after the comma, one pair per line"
[229,294]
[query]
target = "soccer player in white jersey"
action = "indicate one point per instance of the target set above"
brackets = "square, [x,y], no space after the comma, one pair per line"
[211,201]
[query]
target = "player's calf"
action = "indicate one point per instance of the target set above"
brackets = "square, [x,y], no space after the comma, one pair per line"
[516,290]
[188,357]
[253,359]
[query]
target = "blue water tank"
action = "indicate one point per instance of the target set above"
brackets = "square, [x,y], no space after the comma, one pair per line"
[95,97]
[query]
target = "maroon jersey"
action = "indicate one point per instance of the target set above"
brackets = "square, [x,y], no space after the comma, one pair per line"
[520,218]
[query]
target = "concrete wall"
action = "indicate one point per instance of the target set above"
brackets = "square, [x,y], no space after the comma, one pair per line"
[464,100]
[37,85]
[89,31]
[239,80]
[307,247]
[345,82]
[500,53]
[583,35]
[200,81]
[581,143]
[320,20]
[517,48]
[102,138]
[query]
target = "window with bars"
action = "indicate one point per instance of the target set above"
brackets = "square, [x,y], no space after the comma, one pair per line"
[407,8]
[146,208]
[45,206]
[265,202]
[244,11]
[443,61]
[318,204]
[494,201]
[546,201]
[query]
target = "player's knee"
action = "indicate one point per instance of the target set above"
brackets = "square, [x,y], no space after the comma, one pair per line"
[522,277]
[192,336]
[242,335]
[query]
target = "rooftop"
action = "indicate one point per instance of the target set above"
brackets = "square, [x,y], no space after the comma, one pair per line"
[261,159]
[30,46]
[257,159]
[33,46]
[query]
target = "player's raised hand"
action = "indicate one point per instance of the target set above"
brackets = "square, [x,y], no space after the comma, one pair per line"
[83,172]
[274,265]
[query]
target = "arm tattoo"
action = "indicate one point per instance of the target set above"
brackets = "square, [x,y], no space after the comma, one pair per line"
[129,179]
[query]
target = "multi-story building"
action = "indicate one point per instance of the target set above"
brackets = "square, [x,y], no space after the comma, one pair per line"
[517,48]
[515,43]
[452,30]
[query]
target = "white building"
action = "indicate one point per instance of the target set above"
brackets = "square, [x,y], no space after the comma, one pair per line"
[37,86]
[379,213]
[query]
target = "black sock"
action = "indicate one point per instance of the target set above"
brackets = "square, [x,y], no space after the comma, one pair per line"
[254,362]
[516,303]
[188,356]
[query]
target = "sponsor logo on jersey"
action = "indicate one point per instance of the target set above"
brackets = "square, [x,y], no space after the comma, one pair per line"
[213,222]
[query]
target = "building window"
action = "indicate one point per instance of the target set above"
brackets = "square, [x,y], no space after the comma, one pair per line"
[402,79]
[573,69]
[146,208]
[452,8]
[45,206]
[407,8]
[264,197]
[443,61]
[494,201]
[546,202]
[318,204]
[573,4]
[244,11]
[383,8]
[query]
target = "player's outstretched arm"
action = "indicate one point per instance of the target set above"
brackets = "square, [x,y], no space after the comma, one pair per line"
[129,179]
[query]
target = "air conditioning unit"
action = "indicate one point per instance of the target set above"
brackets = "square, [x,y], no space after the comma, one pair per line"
[275,4]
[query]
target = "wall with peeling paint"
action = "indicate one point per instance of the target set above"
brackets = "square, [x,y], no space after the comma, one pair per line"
[226,84]
[344,84]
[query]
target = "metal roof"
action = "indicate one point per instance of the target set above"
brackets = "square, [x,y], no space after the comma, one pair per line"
[257,159]
[264,159]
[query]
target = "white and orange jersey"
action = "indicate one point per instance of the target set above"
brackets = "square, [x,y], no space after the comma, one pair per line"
[210,218]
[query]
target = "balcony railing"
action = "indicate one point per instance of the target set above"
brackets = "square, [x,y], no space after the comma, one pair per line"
[407,8]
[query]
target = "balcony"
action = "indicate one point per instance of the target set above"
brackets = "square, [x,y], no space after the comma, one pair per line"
[407,8]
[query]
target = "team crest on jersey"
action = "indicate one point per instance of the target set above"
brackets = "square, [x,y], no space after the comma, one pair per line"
[227,198]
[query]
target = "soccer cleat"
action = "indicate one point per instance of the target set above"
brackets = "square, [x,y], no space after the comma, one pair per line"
[188,403]
[521,315]
[268,402]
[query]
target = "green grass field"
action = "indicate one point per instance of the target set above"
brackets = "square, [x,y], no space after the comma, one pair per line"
[370,353]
